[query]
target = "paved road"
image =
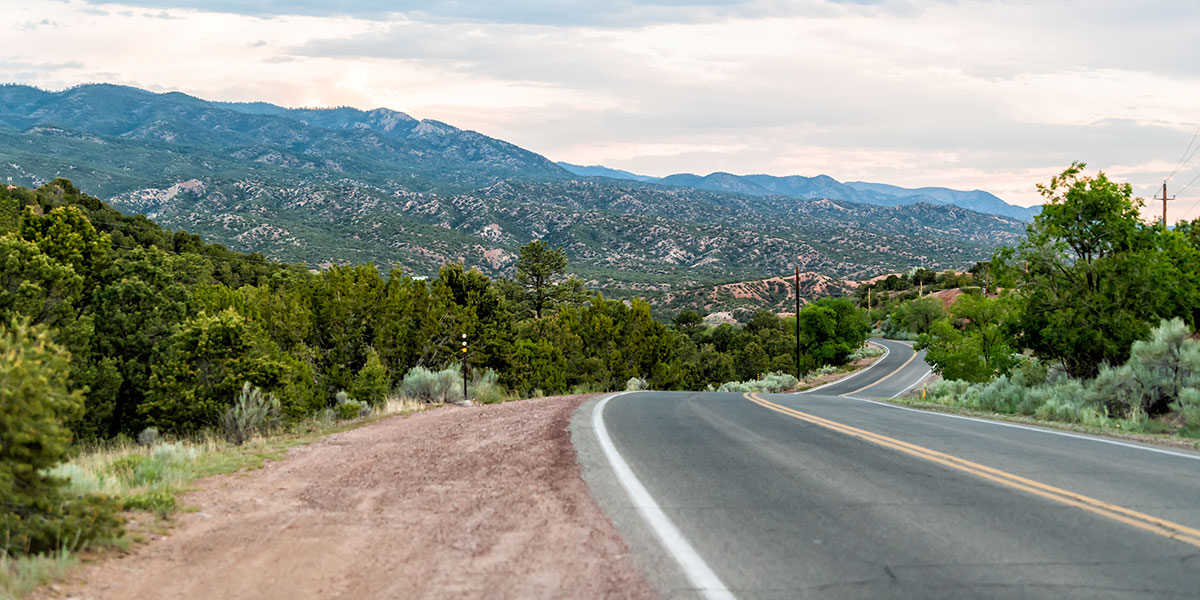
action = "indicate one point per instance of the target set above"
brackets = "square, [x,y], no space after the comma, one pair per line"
[824,496]
[898,371]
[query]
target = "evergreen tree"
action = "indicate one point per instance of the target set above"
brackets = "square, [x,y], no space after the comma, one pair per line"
[537,266]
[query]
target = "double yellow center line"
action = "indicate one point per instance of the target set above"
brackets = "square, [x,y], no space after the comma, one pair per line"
[885,377]
[1133,518]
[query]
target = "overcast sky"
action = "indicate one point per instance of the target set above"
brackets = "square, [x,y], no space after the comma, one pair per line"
[992,95]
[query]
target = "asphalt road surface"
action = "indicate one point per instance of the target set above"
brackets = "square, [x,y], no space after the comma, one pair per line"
[828,494]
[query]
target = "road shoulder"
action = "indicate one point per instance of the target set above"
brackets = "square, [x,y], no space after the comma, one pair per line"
[660,569]
[484,501]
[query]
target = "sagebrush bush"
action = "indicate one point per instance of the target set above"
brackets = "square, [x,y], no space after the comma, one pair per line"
[770,383]
[148,436]
[420,384]
[346,407]
[636,384]
[433,386]
[486,388]
[1162,375]
[1187,405]
[252,412]
[450,384]
[867,351]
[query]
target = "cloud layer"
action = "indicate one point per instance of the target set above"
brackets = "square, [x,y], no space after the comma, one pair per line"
[995,95]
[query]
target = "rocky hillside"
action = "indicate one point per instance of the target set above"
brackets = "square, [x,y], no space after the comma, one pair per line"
[824,186]
[344,185]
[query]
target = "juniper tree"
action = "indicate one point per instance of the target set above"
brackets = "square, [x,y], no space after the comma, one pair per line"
[536,268]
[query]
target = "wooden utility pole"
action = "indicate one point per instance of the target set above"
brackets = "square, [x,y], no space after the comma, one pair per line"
[1164,199]
[797,321]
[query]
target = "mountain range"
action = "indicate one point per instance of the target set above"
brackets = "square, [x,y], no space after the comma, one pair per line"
[823,186]
[324,186]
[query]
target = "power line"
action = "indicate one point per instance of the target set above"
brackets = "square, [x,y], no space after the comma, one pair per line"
[1180,190]
[1185,157]
[1194,204]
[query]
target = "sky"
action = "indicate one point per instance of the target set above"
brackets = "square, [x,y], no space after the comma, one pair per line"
[992,94]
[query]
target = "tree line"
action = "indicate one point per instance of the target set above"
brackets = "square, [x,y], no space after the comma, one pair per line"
[1092,311]
[162,329]
[111,325]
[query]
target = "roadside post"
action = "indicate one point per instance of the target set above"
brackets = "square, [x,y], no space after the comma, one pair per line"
[464,350]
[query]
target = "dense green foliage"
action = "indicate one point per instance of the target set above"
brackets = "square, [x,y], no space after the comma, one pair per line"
[123,328]
[1162,376]
[36,406]
[165,331]
[1079,296]
[976,346]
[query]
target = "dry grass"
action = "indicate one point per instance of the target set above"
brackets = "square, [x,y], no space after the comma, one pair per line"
[148,479]
[21,576]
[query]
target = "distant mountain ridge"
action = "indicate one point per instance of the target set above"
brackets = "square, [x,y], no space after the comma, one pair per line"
[823,186]
[327,186]
[335,140]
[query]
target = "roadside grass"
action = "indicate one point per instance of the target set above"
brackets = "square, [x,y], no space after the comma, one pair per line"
[148,480]
[20,576]
[1139,428]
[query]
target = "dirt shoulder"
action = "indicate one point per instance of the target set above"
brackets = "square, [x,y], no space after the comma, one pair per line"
[457,502]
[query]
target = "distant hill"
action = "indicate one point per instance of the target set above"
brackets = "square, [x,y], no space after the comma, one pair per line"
[599,171]
[976,200]
[324,186]
[824,186]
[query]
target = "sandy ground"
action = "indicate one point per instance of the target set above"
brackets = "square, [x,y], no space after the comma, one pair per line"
[453,503]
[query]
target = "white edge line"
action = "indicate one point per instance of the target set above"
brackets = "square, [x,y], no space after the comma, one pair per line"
[1037,429]
[928,372]
[886,352]
[697,571]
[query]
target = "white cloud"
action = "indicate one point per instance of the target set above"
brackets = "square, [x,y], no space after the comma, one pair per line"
[997,95]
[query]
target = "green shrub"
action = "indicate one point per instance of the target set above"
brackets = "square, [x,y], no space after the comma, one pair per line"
[371,383]
[37,513]
[253,412]
[946,391]
[432,386]
[486,388]
[206,363]
[420,384]
[148,436]
[820,372]
[1187,405]
[157,500]
[347,408]
[450,384]
[770,383]
[866,351]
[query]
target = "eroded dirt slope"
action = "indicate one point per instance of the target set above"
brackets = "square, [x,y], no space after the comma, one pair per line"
[457,502]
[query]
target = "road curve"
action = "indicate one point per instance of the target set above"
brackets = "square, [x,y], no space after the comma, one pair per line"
[896,372]
[828,496]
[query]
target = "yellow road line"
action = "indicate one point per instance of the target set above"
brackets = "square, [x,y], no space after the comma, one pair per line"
[1121,514]
[885,377]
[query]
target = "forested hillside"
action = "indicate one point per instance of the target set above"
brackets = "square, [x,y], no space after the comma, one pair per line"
[163,328]
[344,186]
[113,326]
